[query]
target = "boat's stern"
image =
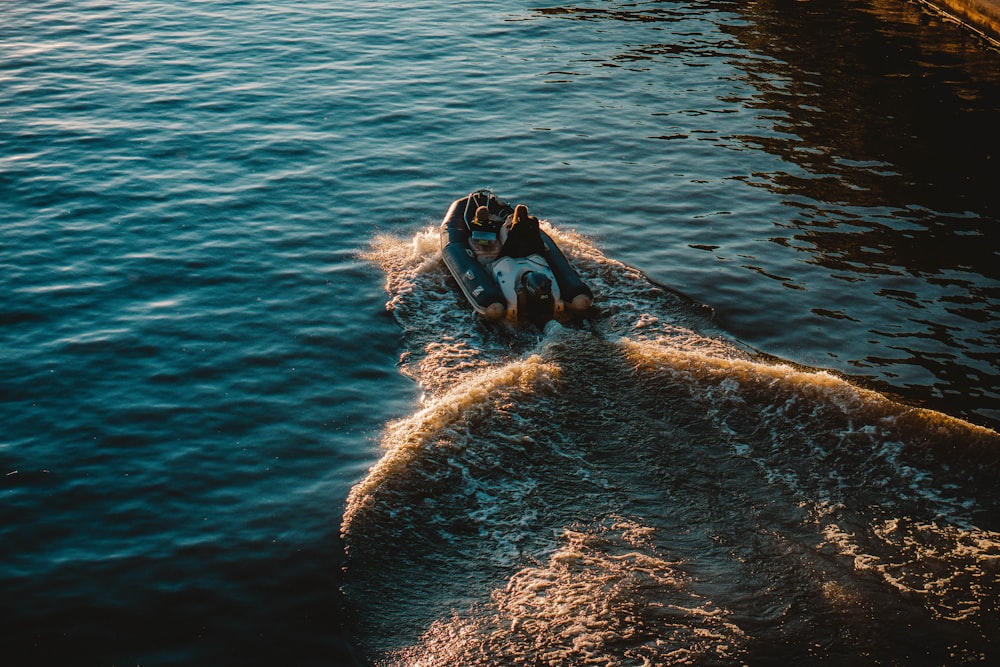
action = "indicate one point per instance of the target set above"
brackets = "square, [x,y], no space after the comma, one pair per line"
[529,287]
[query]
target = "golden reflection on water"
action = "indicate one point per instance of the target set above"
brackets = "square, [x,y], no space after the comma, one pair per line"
[952,570]
[604,597]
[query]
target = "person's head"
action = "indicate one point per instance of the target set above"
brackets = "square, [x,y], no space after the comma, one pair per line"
[482,215]
[520,213]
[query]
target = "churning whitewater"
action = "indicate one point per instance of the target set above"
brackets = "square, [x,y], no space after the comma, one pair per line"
[643,490]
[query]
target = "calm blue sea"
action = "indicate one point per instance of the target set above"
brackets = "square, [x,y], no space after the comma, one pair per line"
[248,418]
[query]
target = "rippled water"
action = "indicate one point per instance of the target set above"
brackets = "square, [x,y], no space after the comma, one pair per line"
[206,206]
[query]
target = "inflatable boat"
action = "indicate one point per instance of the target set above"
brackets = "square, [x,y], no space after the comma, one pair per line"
[537,287]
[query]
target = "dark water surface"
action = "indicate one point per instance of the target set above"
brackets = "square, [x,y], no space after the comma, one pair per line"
[773,444]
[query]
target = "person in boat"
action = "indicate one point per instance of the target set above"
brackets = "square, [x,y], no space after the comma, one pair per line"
[523,235]
[481,219]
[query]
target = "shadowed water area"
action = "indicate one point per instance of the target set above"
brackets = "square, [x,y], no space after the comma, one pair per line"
[250,419]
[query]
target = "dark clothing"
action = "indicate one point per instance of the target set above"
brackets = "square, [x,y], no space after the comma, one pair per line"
[523,239]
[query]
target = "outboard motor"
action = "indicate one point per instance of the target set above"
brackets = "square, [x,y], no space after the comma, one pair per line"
[534,297]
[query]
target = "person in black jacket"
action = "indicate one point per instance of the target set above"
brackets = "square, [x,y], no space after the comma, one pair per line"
[481,219]
[523,235]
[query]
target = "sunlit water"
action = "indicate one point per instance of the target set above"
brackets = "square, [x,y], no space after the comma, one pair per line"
[230,347]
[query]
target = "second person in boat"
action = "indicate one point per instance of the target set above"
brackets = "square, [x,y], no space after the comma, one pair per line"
[520,234]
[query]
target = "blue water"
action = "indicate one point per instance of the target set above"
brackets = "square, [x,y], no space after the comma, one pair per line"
[248,419]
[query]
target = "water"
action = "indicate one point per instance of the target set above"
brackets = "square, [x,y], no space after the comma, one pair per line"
[773,443]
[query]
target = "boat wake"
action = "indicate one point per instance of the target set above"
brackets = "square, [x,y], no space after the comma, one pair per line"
[643,490]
